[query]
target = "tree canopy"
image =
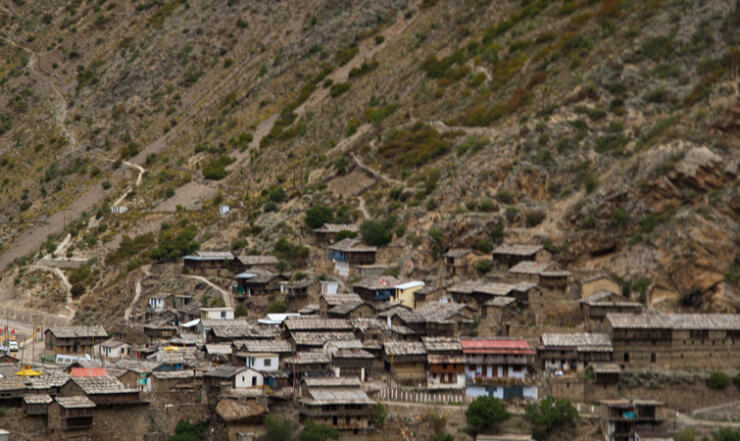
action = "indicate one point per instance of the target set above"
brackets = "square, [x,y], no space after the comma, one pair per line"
[548,414]
[484,414]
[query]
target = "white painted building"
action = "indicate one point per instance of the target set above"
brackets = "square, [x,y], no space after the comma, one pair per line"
[329,287]
[224,313]
[499,368]
[263,362]
[113,349]
[248,378]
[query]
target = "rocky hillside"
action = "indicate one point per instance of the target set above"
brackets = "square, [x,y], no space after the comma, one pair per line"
[607,129]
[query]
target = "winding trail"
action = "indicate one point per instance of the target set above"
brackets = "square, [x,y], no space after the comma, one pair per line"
[363,208]
[137,294]
[228,301]
[378,175]
[69,304]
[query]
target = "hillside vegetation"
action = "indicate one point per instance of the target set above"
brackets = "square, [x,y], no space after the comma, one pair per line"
[606,129]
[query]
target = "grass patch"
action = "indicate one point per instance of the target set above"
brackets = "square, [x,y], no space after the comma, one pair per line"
[415,146]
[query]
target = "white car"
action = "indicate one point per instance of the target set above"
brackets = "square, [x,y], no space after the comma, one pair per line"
[13,346]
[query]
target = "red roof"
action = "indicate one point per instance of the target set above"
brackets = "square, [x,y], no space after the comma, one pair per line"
[495,346]
[88,372]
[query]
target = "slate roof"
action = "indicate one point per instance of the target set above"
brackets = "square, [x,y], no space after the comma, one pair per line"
[136,366]
[399,348]
[210,256]
[78,402]
[218,349]
[264,346]
[319,338]
[332,382]
[352,353]
[347,307]
[582,342]
[308,358]
[258,260]
[529,267]
[335,228]
[362,324]
[316,324]
[517,249]
[376,283]
[225,371]
[441,344]
[245,331]
[79,332]
[338,299]
[37,399]
[332,396]
[352,245]
[102,385]
[658,320]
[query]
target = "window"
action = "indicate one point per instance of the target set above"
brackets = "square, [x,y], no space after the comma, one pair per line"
[652,357]
[268,361]
[223,314]
[626,357]
[254,381]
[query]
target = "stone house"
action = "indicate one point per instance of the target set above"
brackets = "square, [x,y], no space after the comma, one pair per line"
[499,367]
[348,253]
[573,351]
[675,341]
[458,262]
[406,361]
[337,402]
[73,339]
[506,256]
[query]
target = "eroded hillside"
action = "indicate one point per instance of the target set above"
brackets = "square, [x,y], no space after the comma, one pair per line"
[606,129]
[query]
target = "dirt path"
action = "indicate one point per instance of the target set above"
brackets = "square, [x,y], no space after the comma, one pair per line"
[363,208]
[686,420]
[70,305]
[228,301]
[378,175]
[137,294]
[709,409]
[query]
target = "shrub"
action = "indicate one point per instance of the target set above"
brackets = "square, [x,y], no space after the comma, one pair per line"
[130,247]
[131,149]
[185,431]
[277,307]
[535,217]
[240,310]
[376,233]
[483,266]
[295,254]
[484,246]
[278,429]
[656,48]
[344,234]
[318,215]
[620,217]
[175,242]
[318,432]
[718,380]
[414,147]
[505,197]
[105,184]
[364,68]
[215,170]
[484,414]
[338,89]
[486,205]
[343,56]
[727,434]
[736,380]
[548,414]
[659,95]
[379,415]
[77,289]
[685,435]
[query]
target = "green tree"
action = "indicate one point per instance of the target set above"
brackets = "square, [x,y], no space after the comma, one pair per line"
[548,414]
[278,429]
[186,431]
[376,233]
[380,414]
[318,215]
[277,307]
[718,380]
[484,414]
[727,434]
[736,380]
[318,432]
[240,310]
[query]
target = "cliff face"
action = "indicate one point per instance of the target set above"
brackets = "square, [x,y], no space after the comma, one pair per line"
[608,129]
